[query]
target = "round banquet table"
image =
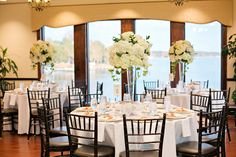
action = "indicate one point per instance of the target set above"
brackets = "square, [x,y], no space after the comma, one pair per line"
[176,131]
[19,100]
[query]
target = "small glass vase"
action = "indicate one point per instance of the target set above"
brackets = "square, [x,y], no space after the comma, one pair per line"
[131,82]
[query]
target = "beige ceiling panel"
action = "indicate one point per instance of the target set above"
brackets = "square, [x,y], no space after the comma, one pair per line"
[193,11]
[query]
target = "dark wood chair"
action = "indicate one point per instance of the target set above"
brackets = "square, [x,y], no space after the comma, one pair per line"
[35,99]
[53,105]
[151,84]
[80,84]
[99,91]
[6,86]
[86,98]
[210,124]
[199,102]
[205,84]
[134,128]
[8,116]
[50,144]
[85,129]
[157,94]
[220,99]
[74,98]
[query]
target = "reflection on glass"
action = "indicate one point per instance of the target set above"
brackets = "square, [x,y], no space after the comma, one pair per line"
[62,40]
[100,36]
[206,65]
[159,32]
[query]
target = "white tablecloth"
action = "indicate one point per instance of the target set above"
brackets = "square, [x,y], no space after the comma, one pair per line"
[20,100]
[176,131]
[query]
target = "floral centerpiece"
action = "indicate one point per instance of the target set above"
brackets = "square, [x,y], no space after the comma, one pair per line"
[129,53]
[42,53]
[181,52]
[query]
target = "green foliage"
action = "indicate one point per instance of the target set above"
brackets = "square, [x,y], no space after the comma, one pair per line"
[6,64]
[230,50]
[234,96]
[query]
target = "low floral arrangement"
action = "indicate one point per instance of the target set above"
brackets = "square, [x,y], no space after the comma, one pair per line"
[41,52]
[181,51]
[130,51]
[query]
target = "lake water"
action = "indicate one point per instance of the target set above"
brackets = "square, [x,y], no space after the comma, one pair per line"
[202,68]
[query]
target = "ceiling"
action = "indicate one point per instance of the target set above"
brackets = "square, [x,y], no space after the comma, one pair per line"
[83,2]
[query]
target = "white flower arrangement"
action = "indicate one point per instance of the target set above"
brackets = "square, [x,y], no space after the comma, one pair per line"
[41,52]
[181,51]
[129,51]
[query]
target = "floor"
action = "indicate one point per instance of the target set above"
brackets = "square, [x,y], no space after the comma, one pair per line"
[18,145]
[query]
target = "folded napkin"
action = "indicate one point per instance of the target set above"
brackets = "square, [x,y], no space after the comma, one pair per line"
[186,130]
[13,99]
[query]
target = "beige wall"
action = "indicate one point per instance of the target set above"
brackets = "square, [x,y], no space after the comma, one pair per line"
[232,30]
[16,35]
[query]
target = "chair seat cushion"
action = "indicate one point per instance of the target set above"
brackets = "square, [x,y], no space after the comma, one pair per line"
[89,151]
[192,148]
[59,141]
[141,154]
[58,131]
[34,113]
[210,138]
[10,111]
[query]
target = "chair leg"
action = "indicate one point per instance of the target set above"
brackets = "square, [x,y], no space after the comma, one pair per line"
[223,154]
[228,133]
[29,127]
[12,123]
[234,119]
[1,125]
[34,126]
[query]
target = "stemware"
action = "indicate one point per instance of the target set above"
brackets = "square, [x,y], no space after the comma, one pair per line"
[93,103]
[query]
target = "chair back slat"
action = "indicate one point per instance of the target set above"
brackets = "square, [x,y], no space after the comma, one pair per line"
[219,99]
[84,128]
[199,102]
[53,105]
[35,98]
[150,84]
[140,128]
[74,97]
[157,94]
[212,123]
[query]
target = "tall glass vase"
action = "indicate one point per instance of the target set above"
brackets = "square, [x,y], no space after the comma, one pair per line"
[131,82]
[181,72]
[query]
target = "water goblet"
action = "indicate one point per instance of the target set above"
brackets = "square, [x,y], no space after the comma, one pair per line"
[93,103]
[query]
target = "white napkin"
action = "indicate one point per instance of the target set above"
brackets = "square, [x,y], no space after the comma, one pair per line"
[186,131]
[13,99]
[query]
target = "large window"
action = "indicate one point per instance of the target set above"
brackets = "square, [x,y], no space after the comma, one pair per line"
[100,36]
[159,32]
[62,40]
[206,40]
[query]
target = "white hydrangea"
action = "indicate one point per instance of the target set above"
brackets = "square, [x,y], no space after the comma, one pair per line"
[41,52]
[129,50]
[181,51]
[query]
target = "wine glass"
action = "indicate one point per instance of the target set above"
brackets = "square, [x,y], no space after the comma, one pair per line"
[93,103]
[127,97]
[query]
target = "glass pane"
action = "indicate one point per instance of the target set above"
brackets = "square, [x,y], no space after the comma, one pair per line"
[100,36]
[159,32]
[63,41]
[206,41]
